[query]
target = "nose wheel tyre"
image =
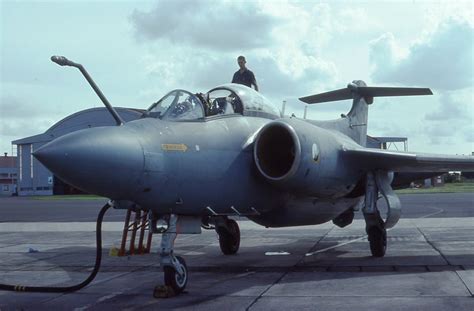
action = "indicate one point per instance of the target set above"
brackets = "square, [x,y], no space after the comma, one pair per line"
[229,237]
[377,241]
[175,279]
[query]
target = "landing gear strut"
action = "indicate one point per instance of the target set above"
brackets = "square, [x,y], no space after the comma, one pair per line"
[376,227]
[174,267]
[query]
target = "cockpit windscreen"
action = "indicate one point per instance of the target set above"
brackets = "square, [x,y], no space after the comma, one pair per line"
[177,105]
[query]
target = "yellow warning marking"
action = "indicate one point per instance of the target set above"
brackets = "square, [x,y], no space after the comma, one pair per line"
[174,147]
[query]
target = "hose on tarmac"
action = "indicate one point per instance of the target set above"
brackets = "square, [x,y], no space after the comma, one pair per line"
[65,289]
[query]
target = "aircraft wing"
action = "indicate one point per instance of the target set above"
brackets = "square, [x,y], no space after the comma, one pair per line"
[374,159]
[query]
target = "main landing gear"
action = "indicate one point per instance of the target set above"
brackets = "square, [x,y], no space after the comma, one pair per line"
[229,236]
[376,227]
[227,230]
[377,234]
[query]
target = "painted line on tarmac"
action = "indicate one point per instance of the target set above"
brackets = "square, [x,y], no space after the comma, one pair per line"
[101,299]
[439,211]
[335,246]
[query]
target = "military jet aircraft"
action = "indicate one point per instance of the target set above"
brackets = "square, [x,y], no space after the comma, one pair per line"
[195,159]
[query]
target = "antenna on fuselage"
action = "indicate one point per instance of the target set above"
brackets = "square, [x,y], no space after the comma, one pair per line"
[63,61]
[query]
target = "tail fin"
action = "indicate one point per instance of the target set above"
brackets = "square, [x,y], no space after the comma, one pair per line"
[362,96]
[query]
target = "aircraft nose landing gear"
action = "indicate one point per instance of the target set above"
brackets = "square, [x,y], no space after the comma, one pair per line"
[174,267]
[176,274]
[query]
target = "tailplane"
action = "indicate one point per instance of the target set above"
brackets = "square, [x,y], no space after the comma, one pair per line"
[359,88]
[362,96]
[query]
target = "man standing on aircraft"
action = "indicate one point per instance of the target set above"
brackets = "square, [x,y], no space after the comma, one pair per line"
[243,75]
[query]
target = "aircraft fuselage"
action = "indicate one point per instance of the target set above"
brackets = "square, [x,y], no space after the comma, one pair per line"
[188,167]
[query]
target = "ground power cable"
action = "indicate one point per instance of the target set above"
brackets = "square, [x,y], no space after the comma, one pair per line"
[65,289]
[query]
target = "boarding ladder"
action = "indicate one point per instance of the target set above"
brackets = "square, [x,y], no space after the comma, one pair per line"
[141,226]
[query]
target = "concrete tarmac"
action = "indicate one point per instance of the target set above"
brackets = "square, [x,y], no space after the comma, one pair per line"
[429,265]
[26,209]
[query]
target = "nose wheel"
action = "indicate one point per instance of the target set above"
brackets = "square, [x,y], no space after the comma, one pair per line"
[229,237]
[176,276]
[174,267]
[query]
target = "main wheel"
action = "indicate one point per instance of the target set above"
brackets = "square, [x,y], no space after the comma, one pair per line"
[377,241]
[229,237]
[174,279]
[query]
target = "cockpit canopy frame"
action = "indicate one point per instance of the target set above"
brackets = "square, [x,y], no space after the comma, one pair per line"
[227,99]
[177,105]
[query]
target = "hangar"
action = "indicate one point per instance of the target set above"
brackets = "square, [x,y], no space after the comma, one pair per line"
[33,177]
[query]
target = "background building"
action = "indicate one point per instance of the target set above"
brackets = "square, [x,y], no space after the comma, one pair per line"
[8,175]
[33,177]
[394,143]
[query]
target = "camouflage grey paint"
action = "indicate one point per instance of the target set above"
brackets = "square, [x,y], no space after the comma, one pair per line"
[354,123]
[216,168]
[228,163]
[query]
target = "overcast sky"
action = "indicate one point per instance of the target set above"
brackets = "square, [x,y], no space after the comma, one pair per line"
[138,51]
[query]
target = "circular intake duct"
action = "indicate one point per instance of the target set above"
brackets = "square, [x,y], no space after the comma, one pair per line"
[277,151]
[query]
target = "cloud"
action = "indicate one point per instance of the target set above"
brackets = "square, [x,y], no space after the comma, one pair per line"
[469,135]
[23,128]
[16,108]
[17,127]
[274,80]
[384,53]
[221,26]
[389,128]
[20,117]
[449,131]
[429,122]
[281,41]
[452,119]
[200,72]
[449,108]
[443,60]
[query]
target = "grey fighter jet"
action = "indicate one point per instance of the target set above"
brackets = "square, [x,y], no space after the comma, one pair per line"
[195,159]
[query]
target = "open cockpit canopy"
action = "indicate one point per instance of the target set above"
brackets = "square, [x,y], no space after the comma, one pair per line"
[227,99]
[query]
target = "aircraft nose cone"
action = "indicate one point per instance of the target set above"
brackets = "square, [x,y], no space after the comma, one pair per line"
[107,161]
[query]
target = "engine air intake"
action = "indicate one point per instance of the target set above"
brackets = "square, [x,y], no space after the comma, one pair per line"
[276,150]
